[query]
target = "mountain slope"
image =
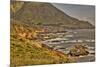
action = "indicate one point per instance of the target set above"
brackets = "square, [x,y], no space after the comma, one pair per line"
[45,13]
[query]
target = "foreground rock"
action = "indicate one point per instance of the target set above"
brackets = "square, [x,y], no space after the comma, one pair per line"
[78,50]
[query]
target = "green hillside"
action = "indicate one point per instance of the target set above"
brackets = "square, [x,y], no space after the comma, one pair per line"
[44,13]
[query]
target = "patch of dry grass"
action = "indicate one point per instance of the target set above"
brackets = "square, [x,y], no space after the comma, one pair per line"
[29,51]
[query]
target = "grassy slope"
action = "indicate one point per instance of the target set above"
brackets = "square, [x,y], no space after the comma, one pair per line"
[26,50]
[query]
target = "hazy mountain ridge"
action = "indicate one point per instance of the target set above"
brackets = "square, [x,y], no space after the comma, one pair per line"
[45,13]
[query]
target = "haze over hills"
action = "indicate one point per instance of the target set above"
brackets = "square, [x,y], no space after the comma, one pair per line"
[44,13]
[81,12]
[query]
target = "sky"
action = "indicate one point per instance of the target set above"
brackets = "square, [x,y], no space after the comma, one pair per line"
[81,12]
